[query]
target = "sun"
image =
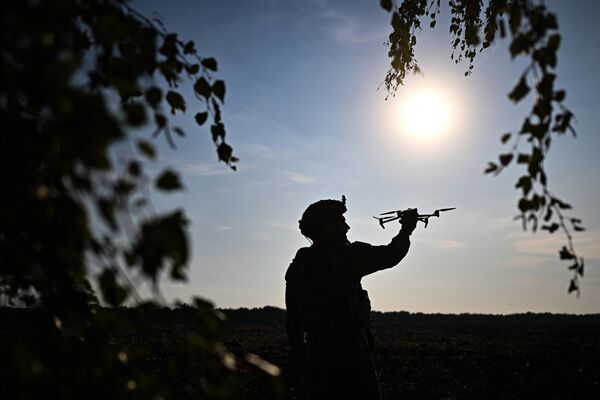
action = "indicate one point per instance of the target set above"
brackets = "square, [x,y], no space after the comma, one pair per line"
[425,114]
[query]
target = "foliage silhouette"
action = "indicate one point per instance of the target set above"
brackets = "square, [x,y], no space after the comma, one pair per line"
[533,33]
[77,78]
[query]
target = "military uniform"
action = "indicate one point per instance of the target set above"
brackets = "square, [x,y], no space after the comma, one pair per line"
[328,315]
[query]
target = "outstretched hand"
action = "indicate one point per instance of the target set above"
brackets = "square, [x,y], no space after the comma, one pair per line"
[409,220]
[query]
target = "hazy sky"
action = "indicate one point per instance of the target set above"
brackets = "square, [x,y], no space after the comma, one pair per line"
[306,119]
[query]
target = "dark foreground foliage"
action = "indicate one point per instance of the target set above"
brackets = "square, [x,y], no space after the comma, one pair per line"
[419,356]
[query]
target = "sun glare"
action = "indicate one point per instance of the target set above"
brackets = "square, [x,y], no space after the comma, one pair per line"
[425,114]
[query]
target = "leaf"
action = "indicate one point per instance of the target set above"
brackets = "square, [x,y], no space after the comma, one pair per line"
[218,131]
[179,131]
[519,91]
[432,24]
[169,181]
[386,5]
[134,168]
[505,159]
[573,286]
[135,113]
[505,137]
[224,151]
[554,41]
[523,158]
[580,269]
[176,101]
[189,48]
[113,293]
[153,96]
[146,148]
[491,168]
[560,95]
[565,254]
[201,118]
[192,69]
[218,88]
[524,183]
[551,228]
[202,87]
[209,63]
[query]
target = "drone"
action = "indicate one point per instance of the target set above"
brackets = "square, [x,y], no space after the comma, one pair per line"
[390,216]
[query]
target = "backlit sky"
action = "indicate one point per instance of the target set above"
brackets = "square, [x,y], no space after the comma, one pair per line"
[306,119]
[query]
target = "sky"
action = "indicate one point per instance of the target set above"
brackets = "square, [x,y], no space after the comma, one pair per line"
[306,118]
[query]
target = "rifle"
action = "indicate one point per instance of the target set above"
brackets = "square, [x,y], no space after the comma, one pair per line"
[390,216]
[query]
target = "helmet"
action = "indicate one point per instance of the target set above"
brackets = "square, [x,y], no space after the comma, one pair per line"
[314,216]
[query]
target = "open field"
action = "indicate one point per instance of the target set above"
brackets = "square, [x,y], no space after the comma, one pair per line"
[418,356]
[467,361]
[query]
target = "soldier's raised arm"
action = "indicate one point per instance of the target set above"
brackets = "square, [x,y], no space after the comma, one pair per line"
[376,258]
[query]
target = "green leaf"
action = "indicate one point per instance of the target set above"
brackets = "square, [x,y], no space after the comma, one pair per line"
[224,151]
[201,118]
[192,69]
[135,113]
[565,254]
[554,41]
[176,101]
[146,148]
[505,137]
[209,63]
[551,228]
[113,293]
[519,91]
[189,48]
[169,181]
[179,131]
[218,131]
[573,286]
[134,168]
[524,183]
[202,87]
[523,158]
[505,159]
[492,167]
[218,89]
[386,5]
[153,96]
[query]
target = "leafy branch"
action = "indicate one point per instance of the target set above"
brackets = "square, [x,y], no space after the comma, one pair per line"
[533,33]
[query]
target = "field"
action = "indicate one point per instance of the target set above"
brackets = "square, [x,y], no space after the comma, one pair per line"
[418,356]
[465,361]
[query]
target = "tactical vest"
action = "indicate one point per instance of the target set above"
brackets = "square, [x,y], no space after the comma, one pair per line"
[331,296]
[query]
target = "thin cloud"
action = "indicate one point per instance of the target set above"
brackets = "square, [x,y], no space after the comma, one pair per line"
[587,244]
[203,169]
[296,177]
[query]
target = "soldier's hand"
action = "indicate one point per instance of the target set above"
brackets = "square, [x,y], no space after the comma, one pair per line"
[409,220]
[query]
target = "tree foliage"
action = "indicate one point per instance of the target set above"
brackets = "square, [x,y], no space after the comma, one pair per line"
[77,78]
[532,31]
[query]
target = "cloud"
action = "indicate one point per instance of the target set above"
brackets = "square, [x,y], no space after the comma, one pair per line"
[202,169]
[296,177]
[448,244]
[223,228]
[587,245]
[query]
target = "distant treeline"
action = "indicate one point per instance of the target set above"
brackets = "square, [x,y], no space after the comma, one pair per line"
[274,316]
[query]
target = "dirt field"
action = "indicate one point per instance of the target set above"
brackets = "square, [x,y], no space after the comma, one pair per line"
[465,361]
[434,357]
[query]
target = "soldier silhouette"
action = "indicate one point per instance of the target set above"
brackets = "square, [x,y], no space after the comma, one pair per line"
[328,311]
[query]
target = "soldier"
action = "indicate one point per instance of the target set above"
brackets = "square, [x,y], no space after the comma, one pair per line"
[328,312]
